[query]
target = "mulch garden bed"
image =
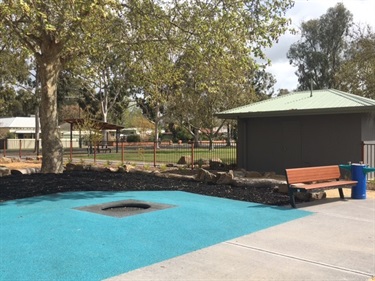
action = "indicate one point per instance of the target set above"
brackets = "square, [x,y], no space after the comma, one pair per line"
[24,186]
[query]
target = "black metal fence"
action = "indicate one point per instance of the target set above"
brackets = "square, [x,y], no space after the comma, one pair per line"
[160,153]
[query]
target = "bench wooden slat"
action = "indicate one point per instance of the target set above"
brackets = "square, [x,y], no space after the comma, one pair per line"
[324,185]
[310,174]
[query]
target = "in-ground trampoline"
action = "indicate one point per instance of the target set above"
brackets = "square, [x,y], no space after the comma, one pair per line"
[69,236]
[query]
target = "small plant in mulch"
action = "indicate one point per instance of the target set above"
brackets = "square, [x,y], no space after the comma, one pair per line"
[146,167]
[183,168]
[371,184]
[200,163]
[108,164]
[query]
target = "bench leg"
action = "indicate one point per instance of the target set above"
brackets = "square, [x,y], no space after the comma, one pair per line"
[341,193]
[291,198]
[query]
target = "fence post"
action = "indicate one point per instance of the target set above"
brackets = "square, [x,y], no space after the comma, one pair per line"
[71,150]
[20,153]
[122,153]
[363,151]
[155,144]
[95,148]
[192,155]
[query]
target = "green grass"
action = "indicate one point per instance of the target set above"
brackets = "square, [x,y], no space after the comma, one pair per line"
[165,155]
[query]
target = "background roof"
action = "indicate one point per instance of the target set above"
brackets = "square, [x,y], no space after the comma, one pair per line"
[303,103]
[96,123]
[17,122]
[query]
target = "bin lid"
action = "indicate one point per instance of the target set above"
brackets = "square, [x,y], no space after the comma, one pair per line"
[346,167]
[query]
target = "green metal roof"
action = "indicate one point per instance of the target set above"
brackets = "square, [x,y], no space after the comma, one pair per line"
[303,103]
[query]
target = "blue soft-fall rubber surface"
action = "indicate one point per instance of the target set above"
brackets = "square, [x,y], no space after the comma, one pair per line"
[45,238]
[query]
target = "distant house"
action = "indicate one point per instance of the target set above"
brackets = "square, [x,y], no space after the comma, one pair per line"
[129,132]
[19,127]
[143,133]
[301,129]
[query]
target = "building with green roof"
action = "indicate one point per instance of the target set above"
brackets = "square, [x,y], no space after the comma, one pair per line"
[300,129]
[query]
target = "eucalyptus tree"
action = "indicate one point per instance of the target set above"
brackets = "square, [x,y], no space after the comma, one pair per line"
[16,102]
[319,54]
[357,73]
[54,32]
[263,83]
[8,102]
[59,32]
[198,54]
[17,72]
[157,82]
[212,84]
[219,63]
[158,41]
[106,71]
[15,63]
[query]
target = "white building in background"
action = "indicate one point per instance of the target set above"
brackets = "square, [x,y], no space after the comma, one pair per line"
[20,131]
[19,127]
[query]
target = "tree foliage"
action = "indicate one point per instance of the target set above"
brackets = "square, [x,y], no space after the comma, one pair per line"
[217,65]
[16,103]
[201,53]
[357,74]
[319,54]
[17,76]
[15,62]
[105,73]
[94,135]
[50,31]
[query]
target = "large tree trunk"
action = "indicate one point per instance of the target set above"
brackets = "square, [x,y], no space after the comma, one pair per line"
[52,149]
[211,142]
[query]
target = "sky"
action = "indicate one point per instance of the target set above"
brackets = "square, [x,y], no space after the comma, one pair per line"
[363,12]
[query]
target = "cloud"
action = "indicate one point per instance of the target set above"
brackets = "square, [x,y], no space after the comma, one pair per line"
[285,75]
[279,54]
[304,10]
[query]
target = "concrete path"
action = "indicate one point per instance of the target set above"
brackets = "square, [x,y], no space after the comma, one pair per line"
[337,242]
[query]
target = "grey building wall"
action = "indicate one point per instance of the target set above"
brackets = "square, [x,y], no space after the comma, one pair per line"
[368,127]
[273,144]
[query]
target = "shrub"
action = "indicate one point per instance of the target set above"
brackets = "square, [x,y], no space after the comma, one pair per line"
[163,168]
[133,138]
[182,134]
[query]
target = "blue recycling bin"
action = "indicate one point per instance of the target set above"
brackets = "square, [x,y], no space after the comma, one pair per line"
[359,174]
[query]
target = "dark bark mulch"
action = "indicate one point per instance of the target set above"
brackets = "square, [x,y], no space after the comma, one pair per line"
[24,186]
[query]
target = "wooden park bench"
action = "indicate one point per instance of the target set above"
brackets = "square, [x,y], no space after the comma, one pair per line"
[315,178]
[104,149]
[99,149]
